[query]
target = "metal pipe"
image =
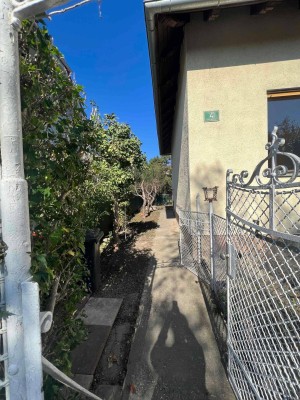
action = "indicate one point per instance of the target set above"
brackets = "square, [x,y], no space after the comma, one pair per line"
[32,340]
[211,233]
[228,283]
[199,256]
[14,199]
[56,374]
[272,191]
[3,333]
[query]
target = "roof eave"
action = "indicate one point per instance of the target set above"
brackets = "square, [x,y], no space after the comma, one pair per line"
[152,9]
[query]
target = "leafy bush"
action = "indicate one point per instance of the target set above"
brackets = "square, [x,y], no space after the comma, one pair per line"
[78,169]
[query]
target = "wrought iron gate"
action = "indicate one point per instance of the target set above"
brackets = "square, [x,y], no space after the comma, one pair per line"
[263,288]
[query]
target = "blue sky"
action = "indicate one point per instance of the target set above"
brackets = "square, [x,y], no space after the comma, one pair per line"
[109,56]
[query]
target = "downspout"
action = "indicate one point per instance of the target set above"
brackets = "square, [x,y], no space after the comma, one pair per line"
[154,7]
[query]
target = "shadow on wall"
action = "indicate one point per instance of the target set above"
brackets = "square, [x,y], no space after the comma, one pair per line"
[180,154]
[209,175]
[261,39]
[177,358]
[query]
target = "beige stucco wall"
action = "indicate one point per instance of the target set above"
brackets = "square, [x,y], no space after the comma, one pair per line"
[180,143]
[231,63]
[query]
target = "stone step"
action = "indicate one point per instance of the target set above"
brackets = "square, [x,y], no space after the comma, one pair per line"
[98,315]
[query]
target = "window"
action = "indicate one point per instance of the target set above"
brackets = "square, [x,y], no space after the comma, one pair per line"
[284,111]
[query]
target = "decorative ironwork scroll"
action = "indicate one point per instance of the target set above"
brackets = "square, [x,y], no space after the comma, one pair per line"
[273,174]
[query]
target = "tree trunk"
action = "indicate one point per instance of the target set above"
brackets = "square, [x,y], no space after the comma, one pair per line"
[144,208]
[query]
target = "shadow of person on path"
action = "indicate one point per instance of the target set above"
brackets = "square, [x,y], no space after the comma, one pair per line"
[178,359]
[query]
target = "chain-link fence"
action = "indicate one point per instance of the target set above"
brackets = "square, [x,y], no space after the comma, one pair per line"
[264,306]
[202,241]
[219,263]
[194,243]
[251,261]
[264,280]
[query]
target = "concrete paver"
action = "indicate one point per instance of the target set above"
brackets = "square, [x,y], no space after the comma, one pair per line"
[86,355]
[100,311]
[174,354]
[98,315]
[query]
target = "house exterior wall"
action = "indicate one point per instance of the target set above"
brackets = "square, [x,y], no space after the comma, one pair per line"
[230,65]
[180,143]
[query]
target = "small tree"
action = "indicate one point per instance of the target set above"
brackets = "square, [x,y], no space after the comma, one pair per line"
[120,157]
[154,179]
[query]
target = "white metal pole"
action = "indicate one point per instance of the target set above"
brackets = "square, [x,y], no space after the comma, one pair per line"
[14,200]
[198,232]
[211,233]
[32,340]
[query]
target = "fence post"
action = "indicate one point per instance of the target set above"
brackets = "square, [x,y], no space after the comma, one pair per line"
[180,235]
[198,230]
[211,234]
[14,204]
[272,224]
[32,340]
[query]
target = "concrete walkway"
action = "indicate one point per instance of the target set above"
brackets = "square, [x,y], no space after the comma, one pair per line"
[174,355]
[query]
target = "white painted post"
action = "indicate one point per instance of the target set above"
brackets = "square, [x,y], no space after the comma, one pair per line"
[211,233]
[32,340]
[14,203]
[198,232]
[24,353]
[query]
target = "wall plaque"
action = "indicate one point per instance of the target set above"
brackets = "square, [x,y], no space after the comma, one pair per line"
[211,116]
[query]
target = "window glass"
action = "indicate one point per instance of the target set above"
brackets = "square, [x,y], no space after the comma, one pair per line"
[285,113]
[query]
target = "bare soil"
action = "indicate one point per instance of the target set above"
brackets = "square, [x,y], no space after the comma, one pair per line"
[126,272]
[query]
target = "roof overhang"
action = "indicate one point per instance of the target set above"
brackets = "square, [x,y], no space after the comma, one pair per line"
[165,20]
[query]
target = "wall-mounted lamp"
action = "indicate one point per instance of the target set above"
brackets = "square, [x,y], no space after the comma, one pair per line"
[210,194]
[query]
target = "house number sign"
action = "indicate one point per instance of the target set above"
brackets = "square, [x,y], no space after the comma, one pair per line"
[211,116]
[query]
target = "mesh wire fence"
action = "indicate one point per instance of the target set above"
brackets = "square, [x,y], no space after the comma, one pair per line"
[219,264]
[200,252]
[253,205]
[286,210]
[195,243]
[264,296]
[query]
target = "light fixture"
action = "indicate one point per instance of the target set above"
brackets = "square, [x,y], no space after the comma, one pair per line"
[210,194]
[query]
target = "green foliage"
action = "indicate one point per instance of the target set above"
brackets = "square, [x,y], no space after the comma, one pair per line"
[121,155]
[77,169]
[160,171]
[290,131]
[59,142]
[154,178]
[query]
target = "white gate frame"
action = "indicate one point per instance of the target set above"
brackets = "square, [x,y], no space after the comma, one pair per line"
[21,332]
[253,371]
